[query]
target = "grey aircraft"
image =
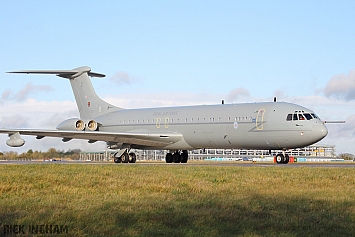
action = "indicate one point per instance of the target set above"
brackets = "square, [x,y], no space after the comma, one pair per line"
[266,125]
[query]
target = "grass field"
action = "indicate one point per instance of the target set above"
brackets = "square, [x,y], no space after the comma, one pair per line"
[176,200]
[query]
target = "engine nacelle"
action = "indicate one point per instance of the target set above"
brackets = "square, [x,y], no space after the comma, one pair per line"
[92,125]
[72,124]
[15,140]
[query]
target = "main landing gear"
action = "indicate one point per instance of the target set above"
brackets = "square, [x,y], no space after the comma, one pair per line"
[282,158]
[177,157]
[125,157]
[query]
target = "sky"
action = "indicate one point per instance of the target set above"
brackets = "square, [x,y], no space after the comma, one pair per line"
[172,53]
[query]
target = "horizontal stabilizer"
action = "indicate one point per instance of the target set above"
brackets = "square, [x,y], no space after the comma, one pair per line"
[71,74]
[90,105]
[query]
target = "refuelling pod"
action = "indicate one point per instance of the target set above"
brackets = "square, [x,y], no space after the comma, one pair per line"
[72,124]
[15,140]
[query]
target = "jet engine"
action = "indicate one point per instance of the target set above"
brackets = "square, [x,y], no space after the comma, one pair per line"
[72,124]
[92,125]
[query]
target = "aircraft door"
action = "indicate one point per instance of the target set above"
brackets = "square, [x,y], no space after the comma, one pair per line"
[260,119]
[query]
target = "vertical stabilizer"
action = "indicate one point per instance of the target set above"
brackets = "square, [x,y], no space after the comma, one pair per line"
[90,105]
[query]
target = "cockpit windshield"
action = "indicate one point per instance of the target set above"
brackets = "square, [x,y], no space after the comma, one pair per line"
[315,116]
[301,115]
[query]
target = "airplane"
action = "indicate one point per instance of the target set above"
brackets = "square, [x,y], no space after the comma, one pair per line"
[263,125]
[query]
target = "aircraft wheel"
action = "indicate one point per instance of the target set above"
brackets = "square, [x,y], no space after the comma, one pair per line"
[177,157]
[169,158]
[280,158]
[125,158]
[287,159]
[132,157]
[117,160]
[184,156]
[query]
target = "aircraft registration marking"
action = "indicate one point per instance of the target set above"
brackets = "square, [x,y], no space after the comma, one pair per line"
[171,113]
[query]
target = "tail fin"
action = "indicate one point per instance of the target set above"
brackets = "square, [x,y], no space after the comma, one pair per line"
[90,105]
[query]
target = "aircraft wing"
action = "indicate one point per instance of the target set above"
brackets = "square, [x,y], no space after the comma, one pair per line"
[142,138]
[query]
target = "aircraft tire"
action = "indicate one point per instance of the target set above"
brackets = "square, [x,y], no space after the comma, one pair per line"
[132,157]
[117,159]
[287,159]
[176,157]
[184,156]
[280,158]
[125,158]
[169,158]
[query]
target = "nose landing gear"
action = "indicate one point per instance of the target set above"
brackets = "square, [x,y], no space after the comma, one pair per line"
[282,158]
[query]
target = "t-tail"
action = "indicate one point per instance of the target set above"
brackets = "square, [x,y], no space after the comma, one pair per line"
[90,105]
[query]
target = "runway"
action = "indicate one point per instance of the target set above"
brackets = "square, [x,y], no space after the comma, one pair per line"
[193,163]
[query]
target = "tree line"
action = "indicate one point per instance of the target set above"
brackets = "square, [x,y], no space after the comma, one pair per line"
[52,153]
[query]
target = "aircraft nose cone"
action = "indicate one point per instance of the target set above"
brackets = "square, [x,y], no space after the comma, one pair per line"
[319,131]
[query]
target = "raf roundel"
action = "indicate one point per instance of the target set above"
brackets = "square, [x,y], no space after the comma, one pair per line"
[235,125]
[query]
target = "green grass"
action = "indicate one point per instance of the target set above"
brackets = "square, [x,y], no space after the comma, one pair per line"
[176,200]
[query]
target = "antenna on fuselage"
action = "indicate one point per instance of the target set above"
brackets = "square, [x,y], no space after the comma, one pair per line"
[275,99]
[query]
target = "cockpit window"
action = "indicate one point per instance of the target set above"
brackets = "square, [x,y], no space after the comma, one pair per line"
[308,116]
[300,115]
[315,116]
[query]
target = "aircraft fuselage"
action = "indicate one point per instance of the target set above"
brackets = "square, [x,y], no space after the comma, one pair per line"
[246,126]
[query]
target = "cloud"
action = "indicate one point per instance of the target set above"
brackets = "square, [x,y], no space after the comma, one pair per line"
[30,89]
[37,113]
[344,130]
[24,93]
[237,94]
[6,95]
[341,86]
[14,121]
[55,119]
[122,78]
[342,136]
